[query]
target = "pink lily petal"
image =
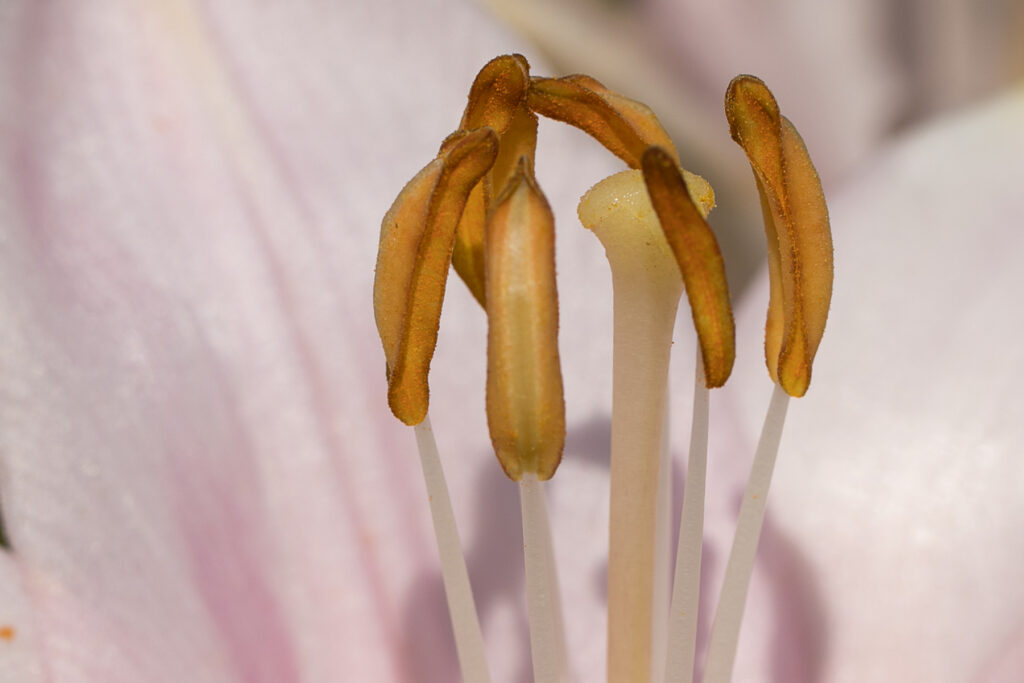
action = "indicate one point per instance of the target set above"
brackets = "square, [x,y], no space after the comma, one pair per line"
[200,479]
[18,655]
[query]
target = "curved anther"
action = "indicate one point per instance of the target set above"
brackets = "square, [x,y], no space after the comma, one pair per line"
[525,404]
[626,127]
[700,261]
[497,100]
[416,241]
[797,226]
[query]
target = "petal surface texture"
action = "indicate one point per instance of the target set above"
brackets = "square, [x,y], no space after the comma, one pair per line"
[199,472]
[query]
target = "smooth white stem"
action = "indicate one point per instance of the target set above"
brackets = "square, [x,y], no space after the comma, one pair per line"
[543,598]
[726,629]
[469,641]
[646,286]
[662,553]
[682,630]
[642,340]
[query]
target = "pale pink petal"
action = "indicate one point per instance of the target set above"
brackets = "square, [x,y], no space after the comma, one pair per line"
[19,659]
[200,477]
[1010,664]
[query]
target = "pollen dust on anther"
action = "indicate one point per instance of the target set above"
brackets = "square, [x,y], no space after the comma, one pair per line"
[7,633]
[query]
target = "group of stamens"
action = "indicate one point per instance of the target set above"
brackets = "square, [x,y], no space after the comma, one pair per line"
[477,207]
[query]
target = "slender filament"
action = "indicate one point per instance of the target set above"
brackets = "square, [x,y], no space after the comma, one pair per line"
[543,597]
[725,632]
[682,630]
[469,641]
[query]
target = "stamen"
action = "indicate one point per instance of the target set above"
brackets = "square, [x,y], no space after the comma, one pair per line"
[496,93]
[416,239]
[622,125]
[797,227]
[525,403]
[725,631]
[800,290]
[469,642]
[543,597]
[682,633]
[497,100]
[638,115]
[683,221]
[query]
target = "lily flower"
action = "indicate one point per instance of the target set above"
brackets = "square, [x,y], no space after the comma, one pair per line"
[197,478]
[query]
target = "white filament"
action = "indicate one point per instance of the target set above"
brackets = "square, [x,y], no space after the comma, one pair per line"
[726,629]
[682,630]
[543,597]
[469,641]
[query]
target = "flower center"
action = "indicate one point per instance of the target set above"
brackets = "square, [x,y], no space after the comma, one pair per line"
[478,207]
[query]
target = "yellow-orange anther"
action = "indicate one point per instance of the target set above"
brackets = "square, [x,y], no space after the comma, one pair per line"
[797,226]
[626,127]
[700,262]
[416,240]
[497,100]
[525,405]
[496,93]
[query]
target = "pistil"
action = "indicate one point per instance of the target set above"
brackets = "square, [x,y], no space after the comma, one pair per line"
[646,287]
[662,595]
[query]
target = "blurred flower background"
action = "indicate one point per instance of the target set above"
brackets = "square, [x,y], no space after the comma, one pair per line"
[853,74]
[199,478]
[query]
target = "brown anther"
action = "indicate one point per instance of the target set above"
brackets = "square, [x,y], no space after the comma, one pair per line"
[797,226]
[497,100]
[525,404]
[416,241]
[497,91]
[624,126]
[700,262]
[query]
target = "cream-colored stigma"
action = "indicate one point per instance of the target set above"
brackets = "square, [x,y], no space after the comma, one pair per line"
[619,211]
